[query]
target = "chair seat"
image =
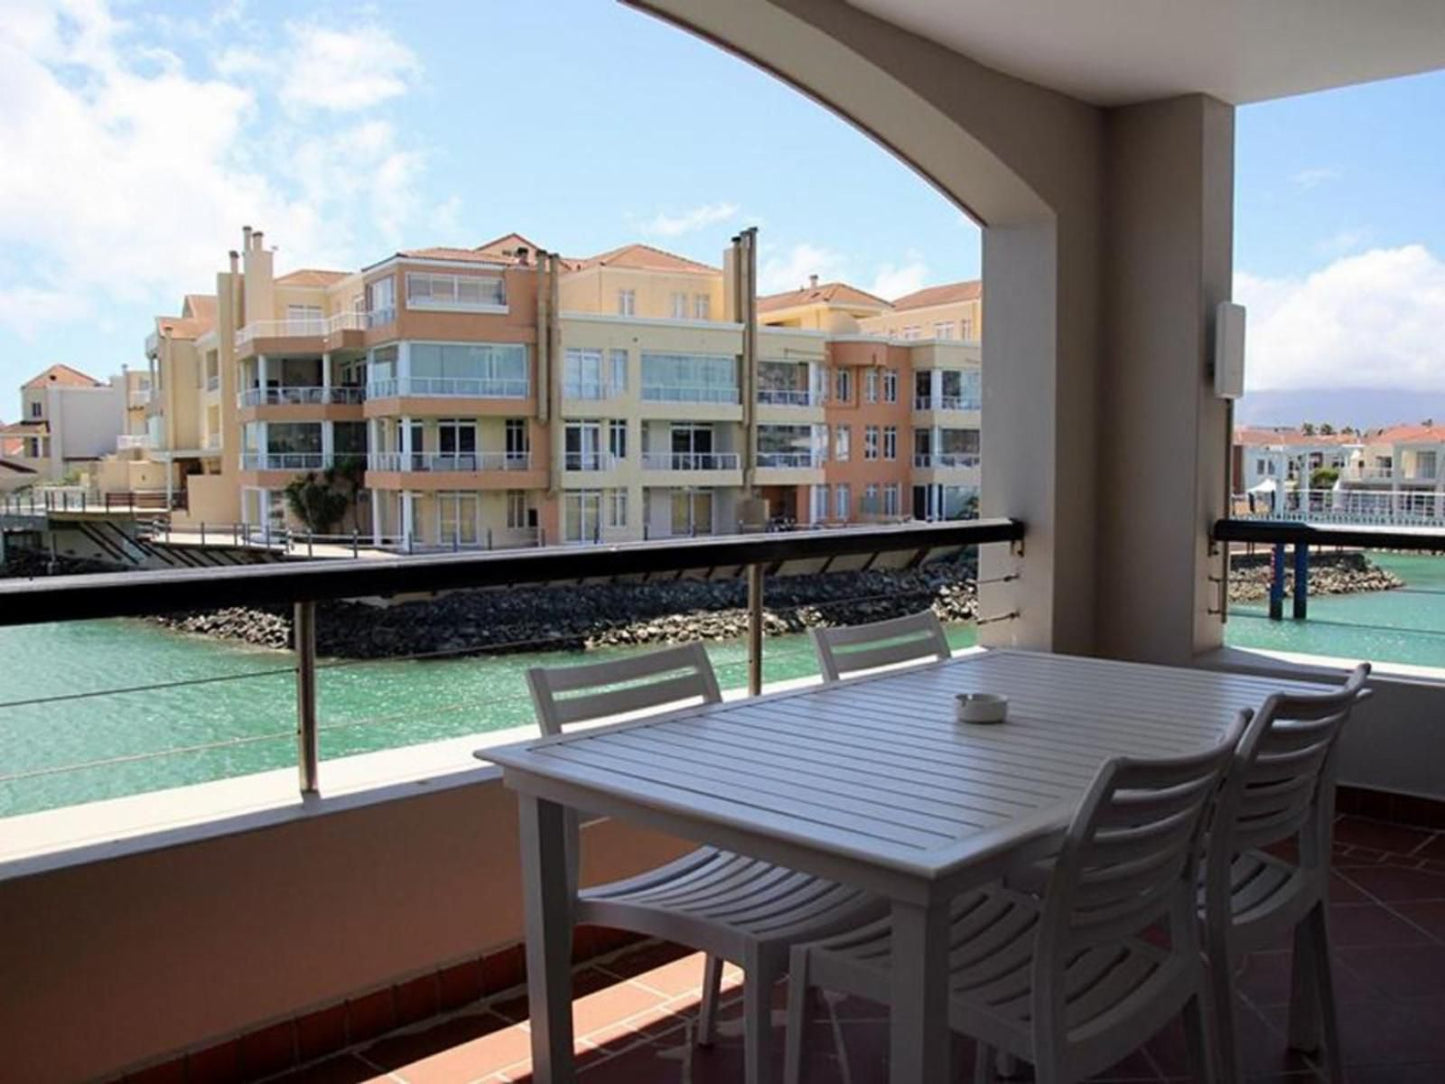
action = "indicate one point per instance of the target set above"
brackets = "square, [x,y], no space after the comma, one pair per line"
[718,901]
[1266,895]
[992,939]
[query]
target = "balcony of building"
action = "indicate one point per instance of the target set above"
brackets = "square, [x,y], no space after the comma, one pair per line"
[303,333]
[469,470]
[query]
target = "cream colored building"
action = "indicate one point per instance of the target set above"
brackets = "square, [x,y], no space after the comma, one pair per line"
[68,421]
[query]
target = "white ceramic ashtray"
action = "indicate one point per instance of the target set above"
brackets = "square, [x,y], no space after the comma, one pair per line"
[981,707]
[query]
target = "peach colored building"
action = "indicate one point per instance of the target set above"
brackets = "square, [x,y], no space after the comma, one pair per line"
[503,395]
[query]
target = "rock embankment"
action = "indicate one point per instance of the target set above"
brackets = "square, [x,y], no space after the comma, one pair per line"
[555,617]
[1330,574]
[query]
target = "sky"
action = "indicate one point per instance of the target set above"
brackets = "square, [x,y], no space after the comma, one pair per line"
[140,137]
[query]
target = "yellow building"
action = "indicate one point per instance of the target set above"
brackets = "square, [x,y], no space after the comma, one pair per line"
[953,310]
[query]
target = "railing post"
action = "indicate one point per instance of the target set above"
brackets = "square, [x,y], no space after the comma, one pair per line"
[1301,581]
[355,543]
[755,630]
[203,531]
[1276,583]
[310,550]
[303,632]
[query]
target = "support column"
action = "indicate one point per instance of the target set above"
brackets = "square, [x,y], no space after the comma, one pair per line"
[261,375]
[377,495]
[407,513]
[326,374]
[328,442]
[1169,206]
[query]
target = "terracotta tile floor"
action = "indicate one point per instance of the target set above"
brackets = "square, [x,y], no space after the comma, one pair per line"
[636,1012]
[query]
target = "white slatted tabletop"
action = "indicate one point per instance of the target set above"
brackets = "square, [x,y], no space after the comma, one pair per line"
[873,781]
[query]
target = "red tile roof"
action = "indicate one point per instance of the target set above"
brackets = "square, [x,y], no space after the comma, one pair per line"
[949,293]
[1410,434]
[1254,436]
[505,248]
[181,327]
[825,293]
[63,375]
[442,252]
[641,257]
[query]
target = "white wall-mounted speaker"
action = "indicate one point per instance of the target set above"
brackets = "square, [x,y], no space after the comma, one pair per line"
[1228,350]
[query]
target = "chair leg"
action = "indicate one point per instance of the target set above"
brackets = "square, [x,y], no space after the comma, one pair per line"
[711,990]
[1229,1060]
[985,1065]
[757,1021]
[1197,1038]
[1007,1065]
[1313,1024]
[798,991]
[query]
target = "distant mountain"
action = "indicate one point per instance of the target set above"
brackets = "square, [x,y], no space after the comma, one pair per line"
[1363,408]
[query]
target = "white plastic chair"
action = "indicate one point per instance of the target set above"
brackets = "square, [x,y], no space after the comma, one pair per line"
[1280,787]
[843,652]
[728,906]
[1067,981]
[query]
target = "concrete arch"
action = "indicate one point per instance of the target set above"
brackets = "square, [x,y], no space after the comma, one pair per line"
[1024,162]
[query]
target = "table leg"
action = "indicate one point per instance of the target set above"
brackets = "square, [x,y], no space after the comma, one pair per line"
[919,1042]
[548,905]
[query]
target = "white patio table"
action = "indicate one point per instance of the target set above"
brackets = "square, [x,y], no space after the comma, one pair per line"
[870,782]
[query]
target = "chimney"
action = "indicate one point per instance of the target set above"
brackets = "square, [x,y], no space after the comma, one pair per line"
[256,237]
[812,282]
[245,238]
[235,261]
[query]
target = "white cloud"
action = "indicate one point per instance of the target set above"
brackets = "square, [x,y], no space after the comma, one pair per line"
[790,270]
[708,214]
[1316,176]
[1365,321]
[1342,242]
[893,281]
[127,177]
[345,70]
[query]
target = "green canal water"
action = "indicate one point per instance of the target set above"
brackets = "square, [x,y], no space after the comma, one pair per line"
[45,746]
[153,738]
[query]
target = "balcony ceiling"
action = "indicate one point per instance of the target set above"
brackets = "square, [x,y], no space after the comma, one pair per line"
[1115,52]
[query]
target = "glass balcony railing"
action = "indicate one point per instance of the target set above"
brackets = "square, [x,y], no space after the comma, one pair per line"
[947,460]
[677,393]
[300,396]
[285,460]
[791,460]
[448,461]
[301,327]
[799,397]
[947,402]
[588,461]
[690,461]
[442,387]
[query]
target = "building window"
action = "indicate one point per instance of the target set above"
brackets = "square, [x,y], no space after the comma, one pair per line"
[870,442]
[35,409]
[381,302]
[842,501]
[843,386]
[913,331]
[943,330]
[890,385]
[582,515]
[616,502]
[487,370]
[516,509]
[890,442]
[870,386]
[582,376]
[457,443]
[891,499]
[582,445]
[617,371]
[1260,466]
[842,443]
[617,439]
[457,518]
[870,499]
[679,306]
[820,504]
[690,378]
[701,307]
[519,442]
[626,302]
[425,290]
[967,326]
[304,320]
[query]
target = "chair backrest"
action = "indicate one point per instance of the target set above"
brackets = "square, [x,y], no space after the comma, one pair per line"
[1281,782]
[673,676]
[1129,860]
[843,652]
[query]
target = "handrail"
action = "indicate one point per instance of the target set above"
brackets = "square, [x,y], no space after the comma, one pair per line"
[1290,533]
[134,594]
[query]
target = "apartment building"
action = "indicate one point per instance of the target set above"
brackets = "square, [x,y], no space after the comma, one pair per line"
[68,421]
[503,395]
[1397,471]
[943,313]
[1282,460]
